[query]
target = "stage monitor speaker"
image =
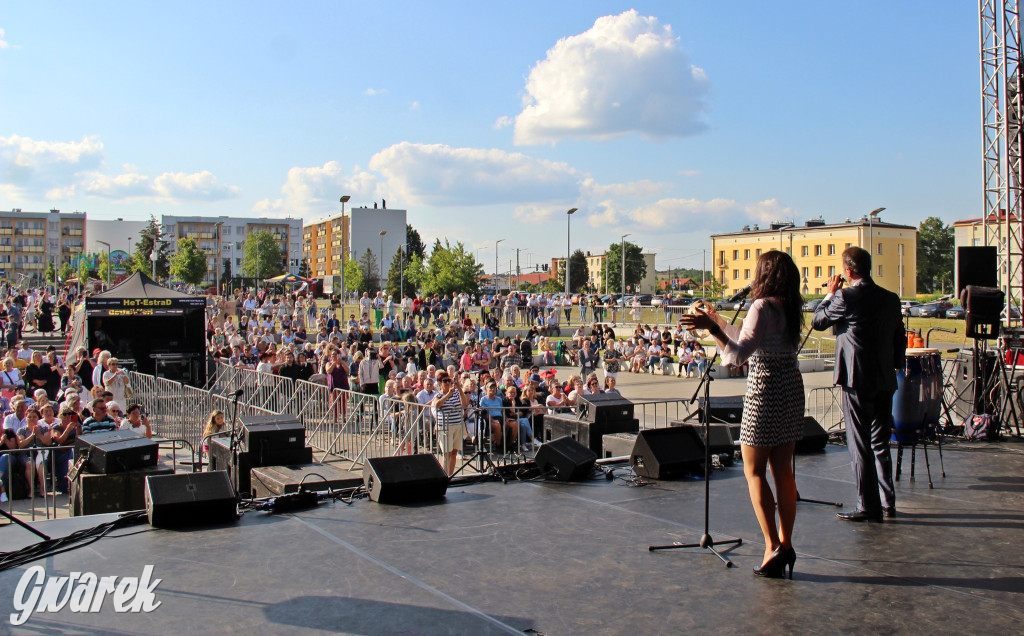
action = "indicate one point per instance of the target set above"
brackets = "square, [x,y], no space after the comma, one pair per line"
[722,442]
[116,451]
[565,459]
[814,438]
[665,453]
[190,499]
[976,266]
[983,309]
[404,478]
[261,433]
[723,410]
[605,408]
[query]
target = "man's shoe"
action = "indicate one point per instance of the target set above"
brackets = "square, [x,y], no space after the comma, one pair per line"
[889,511]
[859,515]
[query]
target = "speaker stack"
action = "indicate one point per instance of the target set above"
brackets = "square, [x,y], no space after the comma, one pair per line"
[266,440]
[599,415]
[114,468]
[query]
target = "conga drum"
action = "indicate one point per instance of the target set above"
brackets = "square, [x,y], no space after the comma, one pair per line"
[917,404]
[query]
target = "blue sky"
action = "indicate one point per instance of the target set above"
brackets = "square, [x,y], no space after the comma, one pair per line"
[667,120]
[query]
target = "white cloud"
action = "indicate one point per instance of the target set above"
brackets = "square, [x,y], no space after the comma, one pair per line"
[436,174]
[626,74]
[631,190]
[315,190]
[414,105]
[689,215]
[3,43]
[129,185]
[197,186]
[689,173]
[503,122]
[32,169]
[173,187]
[375,91]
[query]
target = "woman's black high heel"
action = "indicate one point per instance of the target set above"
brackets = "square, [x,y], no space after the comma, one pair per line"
[790,556]
[775,567]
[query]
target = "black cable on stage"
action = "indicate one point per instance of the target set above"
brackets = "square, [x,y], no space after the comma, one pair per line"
[78,539]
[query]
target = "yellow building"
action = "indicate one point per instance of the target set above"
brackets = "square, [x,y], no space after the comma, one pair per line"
[325,245]
[817,249]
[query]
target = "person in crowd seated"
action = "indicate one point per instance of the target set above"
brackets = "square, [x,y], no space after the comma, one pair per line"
[35,434]
[493,405]
[685,360]
[699,363]
[519,411]
[593,386]
[136,421]
[99,421]
[609,385]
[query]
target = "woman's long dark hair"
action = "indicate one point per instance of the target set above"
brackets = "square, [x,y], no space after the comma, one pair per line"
[776,276]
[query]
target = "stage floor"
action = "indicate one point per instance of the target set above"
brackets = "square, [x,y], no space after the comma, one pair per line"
[555,559]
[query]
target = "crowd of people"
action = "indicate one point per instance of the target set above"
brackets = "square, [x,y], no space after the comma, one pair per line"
[48,401]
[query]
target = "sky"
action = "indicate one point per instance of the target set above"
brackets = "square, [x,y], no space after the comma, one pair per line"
[668,121]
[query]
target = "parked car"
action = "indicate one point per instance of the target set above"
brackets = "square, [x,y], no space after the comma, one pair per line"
[645,299]
[812,305]
[956,313]
[930,310]
[725,305]
[906,305]
[657,301]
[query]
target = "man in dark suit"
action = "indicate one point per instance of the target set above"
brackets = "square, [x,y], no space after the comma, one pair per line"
[870,345]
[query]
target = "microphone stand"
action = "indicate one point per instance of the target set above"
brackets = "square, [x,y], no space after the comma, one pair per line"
[235,442]
[706,541]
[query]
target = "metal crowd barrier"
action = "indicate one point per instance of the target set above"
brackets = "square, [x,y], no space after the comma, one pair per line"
[825,404]
[50,496]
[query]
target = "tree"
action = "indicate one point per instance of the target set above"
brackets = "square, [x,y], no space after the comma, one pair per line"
[225,273]
[140,260]
[104,269]
[636,267]
[83,271]
[370,272]
[934,254]
[261,256]
[51,273]
[304,270]
[353,275]
[65,273]
[413,242]
[578,272]
[189,263]
[398,276]
[713,288]
[451,270]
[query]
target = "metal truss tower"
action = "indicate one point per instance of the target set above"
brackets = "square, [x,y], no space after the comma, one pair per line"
[1002,108]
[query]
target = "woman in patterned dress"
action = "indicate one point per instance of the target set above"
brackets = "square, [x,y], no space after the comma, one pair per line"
[774,402]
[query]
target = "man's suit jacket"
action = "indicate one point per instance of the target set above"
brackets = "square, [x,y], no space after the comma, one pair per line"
[871,342]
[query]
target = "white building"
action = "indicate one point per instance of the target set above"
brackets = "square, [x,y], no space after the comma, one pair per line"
[367,224]
[225,236]
[29,241]
[122,235]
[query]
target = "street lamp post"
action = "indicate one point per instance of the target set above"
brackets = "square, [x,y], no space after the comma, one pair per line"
[622,261]
[108,260]
[401,272]
[381,276]
[344,243]
[496,265]
[568,218]
[871,235]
